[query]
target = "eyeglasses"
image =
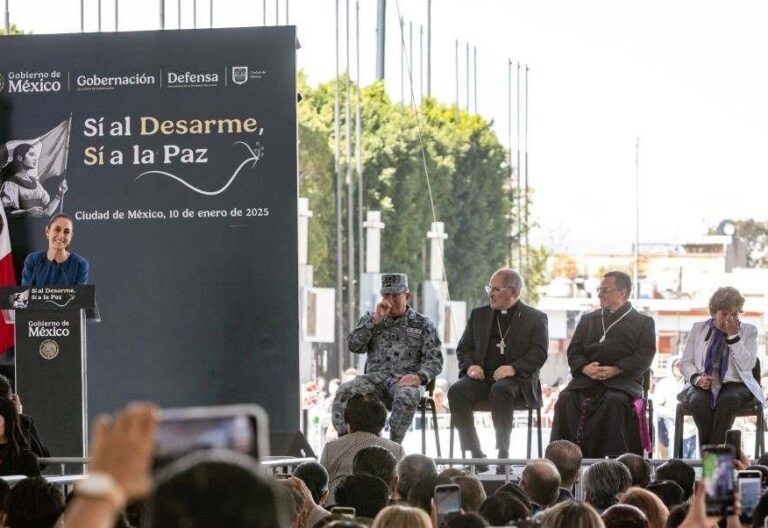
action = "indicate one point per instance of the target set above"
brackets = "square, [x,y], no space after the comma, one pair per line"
[488,289]
[605,290]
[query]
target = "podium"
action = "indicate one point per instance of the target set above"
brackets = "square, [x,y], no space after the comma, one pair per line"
[51,367]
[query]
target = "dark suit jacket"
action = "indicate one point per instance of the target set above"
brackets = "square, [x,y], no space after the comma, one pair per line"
[527,344]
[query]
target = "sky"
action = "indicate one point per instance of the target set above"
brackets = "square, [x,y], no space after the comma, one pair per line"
[687,78]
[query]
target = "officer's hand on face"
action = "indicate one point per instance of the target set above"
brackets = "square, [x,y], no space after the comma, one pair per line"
[409,380]
[382,311]
[731,325]
[476,372]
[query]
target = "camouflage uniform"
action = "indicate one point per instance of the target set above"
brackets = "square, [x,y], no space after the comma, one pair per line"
[395,347]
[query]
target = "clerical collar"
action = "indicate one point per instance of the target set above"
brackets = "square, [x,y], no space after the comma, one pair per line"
[624,308]
[508,311]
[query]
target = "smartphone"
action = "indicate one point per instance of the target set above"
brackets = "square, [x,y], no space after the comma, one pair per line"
[750,487]
[733,439]
[447,503]
[346,512]
[717,472]
[241,428]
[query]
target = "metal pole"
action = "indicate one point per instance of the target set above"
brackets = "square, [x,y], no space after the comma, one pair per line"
[474,75]
[82,15]
[421,63]
[162,14]
[410,54]
[194,14]
[381,38]
[351,312]
[402,52]
[457,78]
[210,15]
[518,187]
[527,190]
[636,279]
[8,18]
[509,152]
[117,15]
[178,12]
[467,77]
[429,48]
[358,146]
[340,338]
[287,12]
[264,12]
[99,14]
[277,12]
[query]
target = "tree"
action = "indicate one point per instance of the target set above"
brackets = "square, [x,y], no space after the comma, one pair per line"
[754,234]
[467,174]
[14,30]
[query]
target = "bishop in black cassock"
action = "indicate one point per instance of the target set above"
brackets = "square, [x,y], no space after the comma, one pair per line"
[611,349]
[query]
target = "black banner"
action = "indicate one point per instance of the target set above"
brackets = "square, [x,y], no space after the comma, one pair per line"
[175,153]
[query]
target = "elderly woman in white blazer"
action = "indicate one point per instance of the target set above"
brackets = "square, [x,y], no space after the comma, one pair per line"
[717,364]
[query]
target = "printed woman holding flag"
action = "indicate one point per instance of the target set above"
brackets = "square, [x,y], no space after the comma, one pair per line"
[21,192]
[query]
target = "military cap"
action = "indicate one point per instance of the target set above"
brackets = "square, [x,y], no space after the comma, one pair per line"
[394,282]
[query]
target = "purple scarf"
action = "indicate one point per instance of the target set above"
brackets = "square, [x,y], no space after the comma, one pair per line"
[717,352]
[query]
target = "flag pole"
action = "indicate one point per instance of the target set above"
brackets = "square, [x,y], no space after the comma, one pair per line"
[66,160]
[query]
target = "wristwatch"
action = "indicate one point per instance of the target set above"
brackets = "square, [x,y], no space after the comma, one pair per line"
[98,485]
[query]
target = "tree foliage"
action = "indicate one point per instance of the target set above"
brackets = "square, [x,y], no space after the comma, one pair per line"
[754,234]
[467,174]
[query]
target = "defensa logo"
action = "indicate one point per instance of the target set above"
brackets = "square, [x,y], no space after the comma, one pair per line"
[189,79]
[31,82]
[239,74]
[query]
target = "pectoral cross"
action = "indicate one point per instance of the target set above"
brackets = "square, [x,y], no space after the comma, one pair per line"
[501,345]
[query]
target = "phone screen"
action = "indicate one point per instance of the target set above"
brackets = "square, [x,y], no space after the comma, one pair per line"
[749,491]
[447,502]
[181,433]
[717,471]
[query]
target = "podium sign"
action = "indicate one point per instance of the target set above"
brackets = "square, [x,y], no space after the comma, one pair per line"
[51,360]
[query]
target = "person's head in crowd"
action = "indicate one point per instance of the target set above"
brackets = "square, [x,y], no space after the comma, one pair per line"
[377,461]
[763,472]
[367,494]
[315,476]
[515,489]
[624,516]
[669,491]
[365,412]
[604,481]
[566,456]
[638,467]
[10,428]
[33,503]
[760,512]
[677,470]
[214,488]
[763,460]
[412,468]
[6,389]
[651,505]
[472,492]
[541,482]
[294,501]
[349,375]
[422,492]
[502,508]
[452,472]
[466,520]
[338,520]
[677,515]
[398,516]
[570,514]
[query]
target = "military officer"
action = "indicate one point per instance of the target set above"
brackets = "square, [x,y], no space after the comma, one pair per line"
[403,356]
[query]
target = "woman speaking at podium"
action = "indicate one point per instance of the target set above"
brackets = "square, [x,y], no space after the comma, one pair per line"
[57,266]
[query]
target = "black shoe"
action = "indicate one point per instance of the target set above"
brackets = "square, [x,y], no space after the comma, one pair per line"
[501,469]
[479,468]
